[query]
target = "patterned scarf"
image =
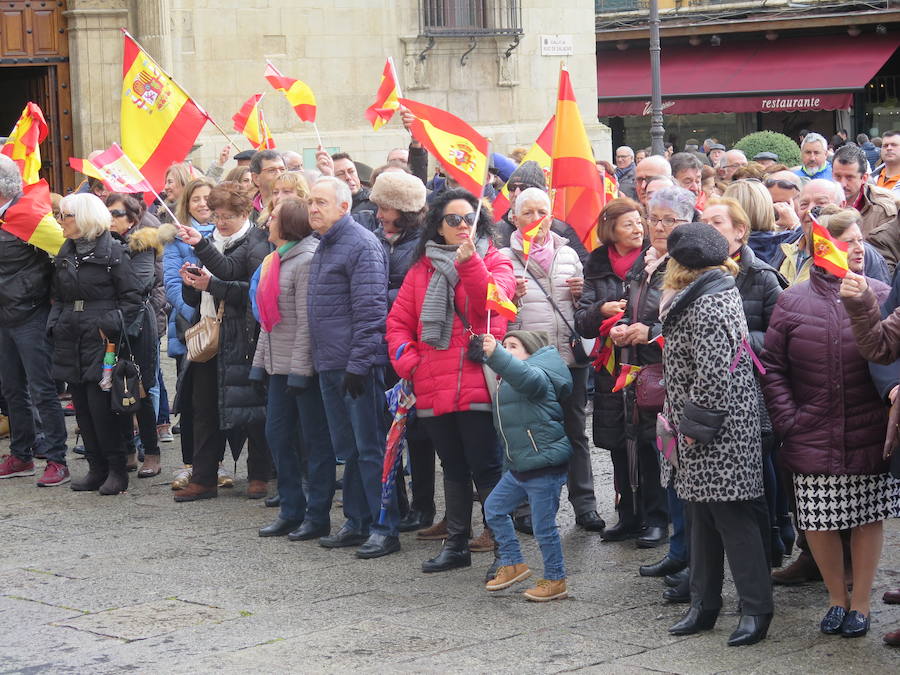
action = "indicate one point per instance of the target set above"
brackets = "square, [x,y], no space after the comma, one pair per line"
[269,287]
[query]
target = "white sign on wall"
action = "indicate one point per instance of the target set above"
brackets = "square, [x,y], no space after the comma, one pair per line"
[557,45]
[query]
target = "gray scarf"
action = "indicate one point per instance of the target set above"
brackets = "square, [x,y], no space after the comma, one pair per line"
[438,305]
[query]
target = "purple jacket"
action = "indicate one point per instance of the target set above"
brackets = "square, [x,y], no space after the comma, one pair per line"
[818,388]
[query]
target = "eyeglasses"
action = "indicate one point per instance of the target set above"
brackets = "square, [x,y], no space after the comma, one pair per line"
[63,214]
[783,184]
[454,220]
[512,187]
[273,170]
[116,213]
[667,222]
[223,218]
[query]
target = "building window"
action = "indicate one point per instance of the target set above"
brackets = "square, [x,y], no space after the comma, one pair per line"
[469,17]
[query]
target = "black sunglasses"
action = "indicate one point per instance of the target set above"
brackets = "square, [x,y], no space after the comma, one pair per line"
[512,187]
[783,184]
[455,220]
[116,213]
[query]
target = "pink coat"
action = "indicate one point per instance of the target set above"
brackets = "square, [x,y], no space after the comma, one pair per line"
[445,381]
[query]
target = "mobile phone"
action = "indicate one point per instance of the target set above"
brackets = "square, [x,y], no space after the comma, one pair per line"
[194,270]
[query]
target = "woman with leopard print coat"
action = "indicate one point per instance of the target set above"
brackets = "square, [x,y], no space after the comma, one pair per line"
[711,403]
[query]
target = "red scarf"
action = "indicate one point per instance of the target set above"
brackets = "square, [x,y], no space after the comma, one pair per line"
[622,263]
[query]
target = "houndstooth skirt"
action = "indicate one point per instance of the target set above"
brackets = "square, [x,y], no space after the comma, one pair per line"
[842,502]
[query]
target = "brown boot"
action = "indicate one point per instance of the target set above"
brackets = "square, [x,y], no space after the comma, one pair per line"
[435,532]
[483,543]
[150,467]
[507,576]
[893,638]
[546,590]
[195,491]
[257,489]
[800,571]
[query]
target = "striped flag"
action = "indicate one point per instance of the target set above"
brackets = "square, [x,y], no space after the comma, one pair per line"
[828,253]
[387,100]
[249,121]
[160,121]
[540,153]
[298,93]
[528,234]
[115,169]
[605,358]
[31,219]
[498,302]
[461,150]
[627,374]
[22,144]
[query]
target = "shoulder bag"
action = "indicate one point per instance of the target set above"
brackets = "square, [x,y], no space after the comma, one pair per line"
[127,389]
[202,339]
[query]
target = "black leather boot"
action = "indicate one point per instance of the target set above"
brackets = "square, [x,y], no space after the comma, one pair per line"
[788,533]
[750,630]
[416,520]
[455,553]
[695,620]
[117,479]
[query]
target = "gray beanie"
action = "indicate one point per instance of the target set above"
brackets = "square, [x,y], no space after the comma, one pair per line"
[398,190]
[531,174]
[532,340]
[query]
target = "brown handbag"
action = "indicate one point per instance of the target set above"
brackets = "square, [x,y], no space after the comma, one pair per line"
[202,339]
[650,388]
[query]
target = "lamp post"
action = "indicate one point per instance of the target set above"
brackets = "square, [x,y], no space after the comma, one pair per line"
[657,132]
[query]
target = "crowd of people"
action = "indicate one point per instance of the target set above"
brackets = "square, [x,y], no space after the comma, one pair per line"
[741,390]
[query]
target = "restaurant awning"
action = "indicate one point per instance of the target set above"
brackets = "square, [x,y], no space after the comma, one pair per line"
[813,73]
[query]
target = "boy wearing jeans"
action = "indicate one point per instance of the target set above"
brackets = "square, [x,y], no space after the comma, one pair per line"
[529,422]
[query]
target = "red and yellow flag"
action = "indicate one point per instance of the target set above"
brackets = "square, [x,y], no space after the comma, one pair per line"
[31,219]
[528,234]
[829,253]
[627,374]
[540,153]
[387,100]
[115,169]
[605,357]
[249,121]
[22,144]
[498,302]
[461,150]
[160,122]
[579,191]
[298,93]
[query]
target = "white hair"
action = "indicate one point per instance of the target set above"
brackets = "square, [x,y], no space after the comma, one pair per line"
[678,199]
[625,149]
[10,179]
[92,218]
[341,190]
[532,194]
[814,138]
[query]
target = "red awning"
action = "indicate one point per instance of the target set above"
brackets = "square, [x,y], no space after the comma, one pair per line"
[758,76]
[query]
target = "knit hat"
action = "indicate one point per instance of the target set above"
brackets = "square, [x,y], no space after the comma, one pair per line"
[398,190]
[697,245]
[530,173]
[532,340]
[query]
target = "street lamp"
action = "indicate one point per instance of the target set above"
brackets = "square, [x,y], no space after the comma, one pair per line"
[657,132]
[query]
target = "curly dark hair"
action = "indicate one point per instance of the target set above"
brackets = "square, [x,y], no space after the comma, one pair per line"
[228,195]
[435,216]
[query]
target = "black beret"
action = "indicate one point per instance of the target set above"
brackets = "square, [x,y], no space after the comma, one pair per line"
[697,245]
[245,154]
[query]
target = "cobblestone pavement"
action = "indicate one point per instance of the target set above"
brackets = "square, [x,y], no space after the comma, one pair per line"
[97,584]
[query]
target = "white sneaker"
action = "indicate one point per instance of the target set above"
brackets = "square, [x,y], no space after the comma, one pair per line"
[164,433]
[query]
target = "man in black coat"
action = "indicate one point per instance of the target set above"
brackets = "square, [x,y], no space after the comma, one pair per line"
[25,352]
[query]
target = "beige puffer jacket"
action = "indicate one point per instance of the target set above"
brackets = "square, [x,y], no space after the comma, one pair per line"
[535,311]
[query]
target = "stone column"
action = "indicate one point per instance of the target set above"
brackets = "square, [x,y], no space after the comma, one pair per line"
[153,29]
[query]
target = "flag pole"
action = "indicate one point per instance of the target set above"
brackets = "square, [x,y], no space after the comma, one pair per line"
[318,135]
[396,79]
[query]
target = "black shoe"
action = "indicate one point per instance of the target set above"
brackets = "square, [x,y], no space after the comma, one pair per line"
[678,595]
[79,450]
[788,533]
[620,532]
[652,537]
[176,429]
[750,630]
[523,524]
[833,620]
[272,501]
[855,625]
[695,620]
[378,545]
[672,580]
[343,538]
[662,568]
[416,520]
[777,547]
[450,558]
[590,521]
[493,569]
[309,530]
[279,528]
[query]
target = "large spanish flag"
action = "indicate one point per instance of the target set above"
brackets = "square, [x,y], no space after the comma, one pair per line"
[31,219]
[579,192]
[298,93]
[115,169]
[249,121]
[22,144]
[387,100]
[540,153]
[461,150]
[829,253]
[160,122]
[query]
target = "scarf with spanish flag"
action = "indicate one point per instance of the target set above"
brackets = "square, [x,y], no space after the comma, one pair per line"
[270,288]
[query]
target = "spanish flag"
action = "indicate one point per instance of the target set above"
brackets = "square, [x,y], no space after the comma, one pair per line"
[461,150]
[627,374]
[540,153]
[579,191]
[160,122]
[22,144]
[498,302]
[528,235]
[31,219]
[387,100]
[829,253]
[298,93]
[115,169]
[249,121]
[605,358]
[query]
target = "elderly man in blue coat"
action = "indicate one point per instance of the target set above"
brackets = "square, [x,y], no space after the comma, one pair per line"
[347,309]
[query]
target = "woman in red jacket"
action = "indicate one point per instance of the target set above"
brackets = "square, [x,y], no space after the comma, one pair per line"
[440,305]
[832,420]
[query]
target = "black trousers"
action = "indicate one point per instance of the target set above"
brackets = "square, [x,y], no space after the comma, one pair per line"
[467,445]
[146,420]
[185,418]
[581,474]
[717,529]
[100,427]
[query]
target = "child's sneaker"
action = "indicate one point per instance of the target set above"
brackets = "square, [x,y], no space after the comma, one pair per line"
[507,576]
[547,589]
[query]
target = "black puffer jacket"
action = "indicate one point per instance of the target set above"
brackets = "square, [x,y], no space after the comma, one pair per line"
[759,285]
[504,230]
[25,273]
[88,293]
[643,297]
[400,255]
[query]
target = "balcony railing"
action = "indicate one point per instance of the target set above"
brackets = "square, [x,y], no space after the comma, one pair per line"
[469,18]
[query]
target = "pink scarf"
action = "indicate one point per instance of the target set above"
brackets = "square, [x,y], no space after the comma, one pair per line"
[542,254]
[270,288]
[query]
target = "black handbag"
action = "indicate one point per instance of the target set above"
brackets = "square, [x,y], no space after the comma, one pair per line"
[127,389]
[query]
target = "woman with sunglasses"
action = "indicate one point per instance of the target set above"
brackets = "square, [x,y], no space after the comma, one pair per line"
[439,307]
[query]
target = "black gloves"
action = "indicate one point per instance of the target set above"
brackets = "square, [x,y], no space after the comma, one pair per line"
[354,384]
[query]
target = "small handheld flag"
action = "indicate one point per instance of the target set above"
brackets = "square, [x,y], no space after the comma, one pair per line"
[115,169]
[627,375]
[298,93]
[31,219]
[498,302]
[386,100]
[250,122]
[828,253]
[22,144]
[528,235]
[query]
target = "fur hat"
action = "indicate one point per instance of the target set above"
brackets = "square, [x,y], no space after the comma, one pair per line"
[531,174]
[398,190]
[697,245]
[532,340]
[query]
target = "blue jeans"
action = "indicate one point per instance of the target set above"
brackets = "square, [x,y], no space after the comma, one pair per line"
[25,366]
[678,545]
[288,419]
[358,428]
[542,494]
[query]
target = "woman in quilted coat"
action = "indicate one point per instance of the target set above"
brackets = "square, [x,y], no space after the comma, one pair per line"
[441,304]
